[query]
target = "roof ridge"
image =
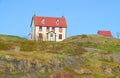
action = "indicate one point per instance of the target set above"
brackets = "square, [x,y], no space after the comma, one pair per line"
[47,16]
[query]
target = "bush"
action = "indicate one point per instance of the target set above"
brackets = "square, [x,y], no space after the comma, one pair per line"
[84,36]
[73,49]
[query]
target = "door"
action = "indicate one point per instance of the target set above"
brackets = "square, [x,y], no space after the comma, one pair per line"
[40,37]
[51,36]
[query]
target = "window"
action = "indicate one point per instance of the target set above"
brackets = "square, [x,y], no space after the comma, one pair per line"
[47,29]
[60,29]
[40,28]
[53,29]
[60,36]
[51,35]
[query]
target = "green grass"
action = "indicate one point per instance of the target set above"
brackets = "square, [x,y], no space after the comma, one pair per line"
[10,38]
[70,45]
[96,75]
[31,56]
[111,48]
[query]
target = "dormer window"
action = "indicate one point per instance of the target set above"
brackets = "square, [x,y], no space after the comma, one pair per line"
[57,22]
[43,21]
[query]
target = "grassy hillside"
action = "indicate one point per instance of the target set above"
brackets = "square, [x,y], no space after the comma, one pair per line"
[8,41]
[10,38]
[75,45]
[93,41]
[83,56]
[96,41]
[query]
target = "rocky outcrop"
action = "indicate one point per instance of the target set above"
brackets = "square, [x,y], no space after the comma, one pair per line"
[112,57]
[64,67]
[116,57]
[16,68]
[62,74]
[83,71]
[22,68]
[111,71]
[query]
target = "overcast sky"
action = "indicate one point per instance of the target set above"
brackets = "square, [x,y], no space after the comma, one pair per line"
[82,16]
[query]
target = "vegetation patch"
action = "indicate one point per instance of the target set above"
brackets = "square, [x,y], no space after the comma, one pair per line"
[97,52]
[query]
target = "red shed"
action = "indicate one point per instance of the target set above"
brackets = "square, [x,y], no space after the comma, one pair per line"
[104,33]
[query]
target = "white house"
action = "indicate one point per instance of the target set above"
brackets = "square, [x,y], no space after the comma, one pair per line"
[48,28]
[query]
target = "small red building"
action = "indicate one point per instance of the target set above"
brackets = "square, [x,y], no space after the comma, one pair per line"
[104,33]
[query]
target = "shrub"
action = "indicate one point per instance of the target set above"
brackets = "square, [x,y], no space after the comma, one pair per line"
[84,36]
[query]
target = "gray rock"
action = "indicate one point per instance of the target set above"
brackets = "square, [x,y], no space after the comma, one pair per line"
[116,57]
[108,57]
[15,48]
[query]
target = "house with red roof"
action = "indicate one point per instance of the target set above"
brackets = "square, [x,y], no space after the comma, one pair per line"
[48,28]
[104,33]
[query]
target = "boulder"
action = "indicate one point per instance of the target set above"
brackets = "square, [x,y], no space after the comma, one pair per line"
[83,71]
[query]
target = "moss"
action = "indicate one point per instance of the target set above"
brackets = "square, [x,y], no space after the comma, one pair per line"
[96,75]
[44,74]
[68,69]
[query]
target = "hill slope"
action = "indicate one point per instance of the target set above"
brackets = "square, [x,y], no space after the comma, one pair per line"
[84,56]
[96,41]
[10,38]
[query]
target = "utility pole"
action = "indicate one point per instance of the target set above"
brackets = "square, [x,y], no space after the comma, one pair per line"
[118,34]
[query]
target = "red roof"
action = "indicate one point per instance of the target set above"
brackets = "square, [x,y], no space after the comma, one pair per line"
[105,33]
[49,21]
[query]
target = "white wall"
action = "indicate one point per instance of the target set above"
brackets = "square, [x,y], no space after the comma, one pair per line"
[33,30]
[35,33]
[63,34]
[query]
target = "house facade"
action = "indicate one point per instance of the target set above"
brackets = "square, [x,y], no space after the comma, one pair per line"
[48,28]
[104,33]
